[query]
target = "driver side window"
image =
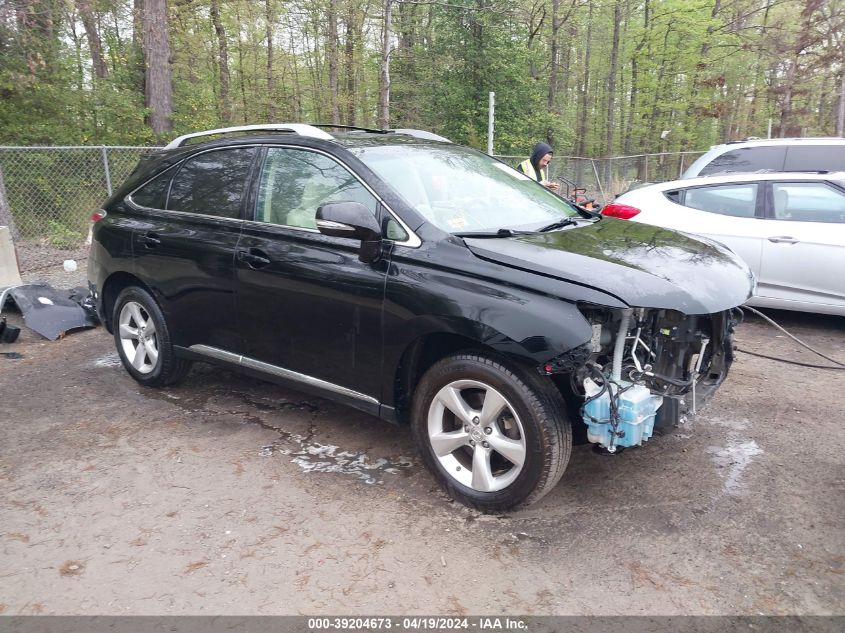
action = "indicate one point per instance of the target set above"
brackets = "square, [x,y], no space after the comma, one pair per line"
[295,182]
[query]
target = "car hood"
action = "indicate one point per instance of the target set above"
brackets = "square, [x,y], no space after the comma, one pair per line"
[641,265]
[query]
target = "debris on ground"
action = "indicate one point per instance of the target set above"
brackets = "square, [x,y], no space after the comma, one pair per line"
[49,311]
[8,333]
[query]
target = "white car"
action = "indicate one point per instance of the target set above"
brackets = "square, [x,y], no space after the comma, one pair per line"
[774,154]
[788,227]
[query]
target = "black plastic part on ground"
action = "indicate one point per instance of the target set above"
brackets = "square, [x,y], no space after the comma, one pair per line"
[8,333]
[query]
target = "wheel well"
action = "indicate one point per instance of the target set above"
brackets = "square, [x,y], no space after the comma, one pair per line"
[422,354]
[112,288]
[427,350]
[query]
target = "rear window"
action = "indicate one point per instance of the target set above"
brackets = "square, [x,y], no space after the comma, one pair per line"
[152,194]
[747,159]
[815,158]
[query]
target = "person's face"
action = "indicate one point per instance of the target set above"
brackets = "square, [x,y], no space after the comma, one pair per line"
[545,161]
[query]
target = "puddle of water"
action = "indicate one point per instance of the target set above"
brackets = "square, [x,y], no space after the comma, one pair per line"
[109,360]
[736,457]
[327,458]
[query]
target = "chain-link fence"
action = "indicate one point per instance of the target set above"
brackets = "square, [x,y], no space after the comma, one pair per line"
[605,178]
[47,194]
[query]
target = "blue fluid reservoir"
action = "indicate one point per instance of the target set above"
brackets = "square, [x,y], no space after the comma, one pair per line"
[637,408]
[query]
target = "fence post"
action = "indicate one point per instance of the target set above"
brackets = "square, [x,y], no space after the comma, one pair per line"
[598,180]
[6,218]
[105,153]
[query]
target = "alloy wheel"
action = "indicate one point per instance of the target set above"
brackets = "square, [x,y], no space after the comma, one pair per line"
[138,337]
[476,435]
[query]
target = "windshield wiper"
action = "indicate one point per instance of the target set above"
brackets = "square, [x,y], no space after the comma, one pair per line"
[558,225]
[499,233]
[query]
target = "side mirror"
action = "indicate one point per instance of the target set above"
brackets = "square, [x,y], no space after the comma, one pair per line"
[353,220]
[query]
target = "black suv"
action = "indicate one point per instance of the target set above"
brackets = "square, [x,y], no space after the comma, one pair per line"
[420,281]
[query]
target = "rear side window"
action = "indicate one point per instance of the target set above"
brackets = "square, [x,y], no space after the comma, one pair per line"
[735,200]
[808,202]
[673,196]
[815,158]
[747,159]
[212,183]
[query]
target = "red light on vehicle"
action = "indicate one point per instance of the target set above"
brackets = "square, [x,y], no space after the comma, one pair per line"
[97,216]
[621,211]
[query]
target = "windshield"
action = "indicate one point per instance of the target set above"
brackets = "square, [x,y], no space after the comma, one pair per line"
[461,190]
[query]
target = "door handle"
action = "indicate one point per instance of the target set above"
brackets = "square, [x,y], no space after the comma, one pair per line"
[253,258]
[150,240]
[783,240]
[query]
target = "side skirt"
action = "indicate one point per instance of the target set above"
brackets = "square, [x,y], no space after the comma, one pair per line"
[287,377]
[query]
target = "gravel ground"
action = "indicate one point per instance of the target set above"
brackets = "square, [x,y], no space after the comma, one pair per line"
[228,495]
[57,276]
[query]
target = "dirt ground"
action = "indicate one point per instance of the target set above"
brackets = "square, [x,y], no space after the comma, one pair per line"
[226,495]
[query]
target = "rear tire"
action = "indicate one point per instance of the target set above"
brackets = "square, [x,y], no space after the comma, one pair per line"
[143,340]
[494,437]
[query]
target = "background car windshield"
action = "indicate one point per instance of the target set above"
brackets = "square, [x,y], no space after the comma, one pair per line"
[459,190]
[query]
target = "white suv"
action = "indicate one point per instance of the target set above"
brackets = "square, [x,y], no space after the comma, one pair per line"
[780,154]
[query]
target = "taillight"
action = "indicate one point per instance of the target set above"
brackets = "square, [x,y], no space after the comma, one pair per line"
[97,216]
[621,211]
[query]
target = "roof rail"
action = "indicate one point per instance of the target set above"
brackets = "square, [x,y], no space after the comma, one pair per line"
[357,128]
[429,136]
[301,129]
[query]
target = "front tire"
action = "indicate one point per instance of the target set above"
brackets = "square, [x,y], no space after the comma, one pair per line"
[495,437]
[143,340]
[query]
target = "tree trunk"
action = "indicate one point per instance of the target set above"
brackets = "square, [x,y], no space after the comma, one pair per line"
[536,19]
[158,86]
[611,91]
[840,114]
[139,64]
[223,63]
[349,55]
[94,43]
[384,70]
[241,73]
[271,103]
[554,57]
[581,132]
[333,60]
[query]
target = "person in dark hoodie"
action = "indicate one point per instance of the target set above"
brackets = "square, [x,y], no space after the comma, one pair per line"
[535,166]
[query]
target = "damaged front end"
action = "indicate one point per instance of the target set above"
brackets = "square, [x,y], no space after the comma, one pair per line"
[644,367]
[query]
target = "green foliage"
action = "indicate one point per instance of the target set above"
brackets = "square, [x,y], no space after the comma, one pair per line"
[705,70]
[60,236]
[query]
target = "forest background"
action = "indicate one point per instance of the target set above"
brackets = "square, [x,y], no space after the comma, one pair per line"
[597,79]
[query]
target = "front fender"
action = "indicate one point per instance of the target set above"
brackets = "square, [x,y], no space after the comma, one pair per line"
[526,326]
